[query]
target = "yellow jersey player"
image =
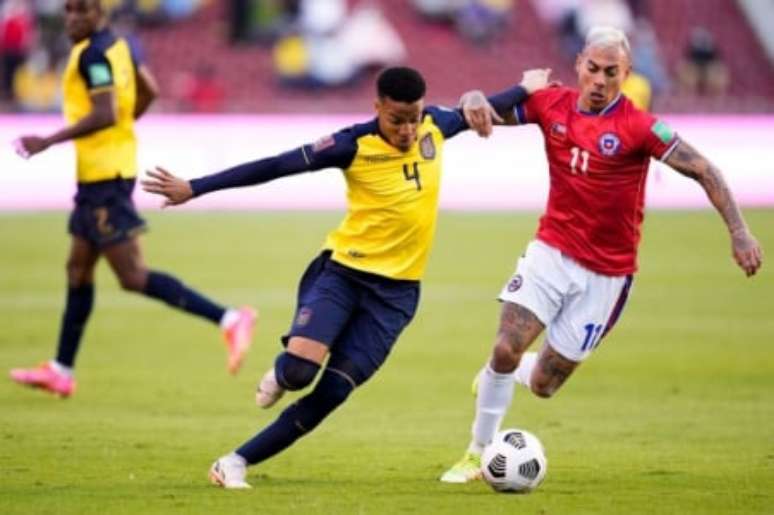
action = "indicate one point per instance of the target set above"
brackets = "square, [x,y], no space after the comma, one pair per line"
[358,295]
[106,87]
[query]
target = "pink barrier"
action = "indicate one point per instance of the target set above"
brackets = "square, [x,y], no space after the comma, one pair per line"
[505,172]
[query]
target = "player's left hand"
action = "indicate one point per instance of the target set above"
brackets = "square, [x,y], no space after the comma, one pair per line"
[747,251]
[161,182]
[536,79]
[479,113]
[28,146]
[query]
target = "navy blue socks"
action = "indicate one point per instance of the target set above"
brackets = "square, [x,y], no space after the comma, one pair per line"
[170,290]
[77,309]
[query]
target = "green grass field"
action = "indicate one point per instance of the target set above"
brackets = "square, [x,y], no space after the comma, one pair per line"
[673,413]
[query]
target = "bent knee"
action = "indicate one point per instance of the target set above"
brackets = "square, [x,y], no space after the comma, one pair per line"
[544,386]
[78,274]
[542,390]
[294,372]
[134,282]
[505,356]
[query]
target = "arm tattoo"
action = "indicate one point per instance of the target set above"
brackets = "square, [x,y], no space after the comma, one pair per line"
[687,161]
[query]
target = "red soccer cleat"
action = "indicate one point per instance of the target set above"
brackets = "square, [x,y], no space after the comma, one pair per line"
[239,337]
[46,378]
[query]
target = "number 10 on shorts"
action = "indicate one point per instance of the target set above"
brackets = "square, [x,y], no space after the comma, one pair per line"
[593,336]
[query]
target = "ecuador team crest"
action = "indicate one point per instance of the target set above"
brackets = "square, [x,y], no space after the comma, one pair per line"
[609,143]
[427,147]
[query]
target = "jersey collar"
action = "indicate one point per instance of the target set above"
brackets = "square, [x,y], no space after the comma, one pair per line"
[607,109]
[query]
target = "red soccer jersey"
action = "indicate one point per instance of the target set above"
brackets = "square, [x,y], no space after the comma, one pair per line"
[598,164]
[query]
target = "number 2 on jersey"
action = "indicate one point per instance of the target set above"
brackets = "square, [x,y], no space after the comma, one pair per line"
[584,160]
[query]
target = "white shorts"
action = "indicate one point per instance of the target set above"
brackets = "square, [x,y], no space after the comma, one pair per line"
[577,306]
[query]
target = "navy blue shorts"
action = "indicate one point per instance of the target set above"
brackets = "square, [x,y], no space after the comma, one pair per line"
[104,213]
[357,314]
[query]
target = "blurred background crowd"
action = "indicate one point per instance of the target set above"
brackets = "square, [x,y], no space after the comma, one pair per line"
[320,55]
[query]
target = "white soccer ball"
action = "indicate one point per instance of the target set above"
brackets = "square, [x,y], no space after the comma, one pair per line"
[514,462]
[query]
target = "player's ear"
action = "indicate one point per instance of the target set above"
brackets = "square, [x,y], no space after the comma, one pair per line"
[378,105]
[626,67]
[578,61]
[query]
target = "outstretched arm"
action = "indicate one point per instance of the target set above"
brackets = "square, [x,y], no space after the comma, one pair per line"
[689,162]
[101,116]
[178,191]
[482,112]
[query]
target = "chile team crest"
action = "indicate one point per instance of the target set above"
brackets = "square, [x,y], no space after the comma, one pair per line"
[609,144]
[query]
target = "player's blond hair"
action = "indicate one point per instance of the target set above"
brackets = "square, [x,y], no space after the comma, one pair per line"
[608,37]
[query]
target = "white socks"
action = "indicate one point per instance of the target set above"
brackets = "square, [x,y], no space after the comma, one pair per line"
[229,317]
[61,369]
[523,372]
[495,392]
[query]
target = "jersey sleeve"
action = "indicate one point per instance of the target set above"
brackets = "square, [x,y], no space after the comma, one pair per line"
[449,121]
[529,110]
[136,50]
[95,69]
[657,139]
[335,150]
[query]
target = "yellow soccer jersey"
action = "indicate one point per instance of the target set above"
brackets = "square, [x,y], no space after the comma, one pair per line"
[103,61]
[637,89]
[392,195]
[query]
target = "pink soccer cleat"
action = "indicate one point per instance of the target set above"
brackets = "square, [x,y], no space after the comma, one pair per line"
[46,378]
[239,337]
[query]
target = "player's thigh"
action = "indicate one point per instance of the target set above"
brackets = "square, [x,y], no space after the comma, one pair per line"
[539,282]
[588,315]
[126,257]
[517,329]
[531,299]
[81,261]
[307,348]
[367,340]
[107,215]
[326,302]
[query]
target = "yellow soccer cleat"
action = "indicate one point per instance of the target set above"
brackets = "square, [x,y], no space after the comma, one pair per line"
[466,470]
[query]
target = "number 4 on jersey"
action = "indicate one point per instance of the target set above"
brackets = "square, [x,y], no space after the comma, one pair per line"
[412,177]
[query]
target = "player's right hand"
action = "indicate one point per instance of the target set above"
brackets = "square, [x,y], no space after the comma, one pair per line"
[747,252]
[479,113]
[161,182]
[28,146]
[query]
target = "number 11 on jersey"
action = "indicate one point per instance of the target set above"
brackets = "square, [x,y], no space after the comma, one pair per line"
[584,160]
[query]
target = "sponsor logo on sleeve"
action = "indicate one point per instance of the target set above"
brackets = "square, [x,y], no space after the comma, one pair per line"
[323,143]
[663,131]
[304,316]
[609,143]
[99,74]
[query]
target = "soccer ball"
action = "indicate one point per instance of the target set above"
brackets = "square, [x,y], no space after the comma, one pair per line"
[514,462]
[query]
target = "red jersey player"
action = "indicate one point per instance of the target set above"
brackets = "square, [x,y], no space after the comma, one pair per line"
[574,278]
